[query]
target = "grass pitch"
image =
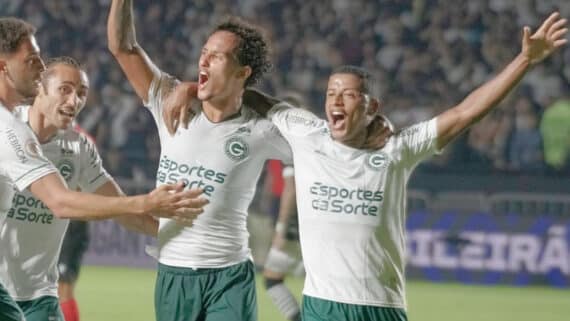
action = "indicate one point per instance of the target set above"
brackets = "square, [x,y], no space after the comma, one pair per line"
[106,293]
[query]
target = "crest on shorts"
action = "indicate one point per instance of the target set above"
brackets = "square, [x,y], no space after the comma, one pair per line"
[66,169]
[236,148]
[377,161]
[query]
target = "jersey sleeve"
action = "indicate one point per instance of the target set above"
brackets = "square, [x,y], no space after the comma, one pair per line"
[92,174]
[22,159]
[295,122]
[161,85]
[277,145]
[418,142]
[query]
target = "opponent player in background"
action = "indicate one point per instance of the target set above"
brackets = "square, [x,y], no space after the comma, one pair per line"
[284,257]
[205,270]
[75,243]
[23,166]
[352,201]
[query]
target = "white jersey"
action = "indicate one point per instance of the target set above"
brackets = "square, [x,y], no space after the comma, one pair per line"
[225,159]
[21,163]
[352,208]
[31,236]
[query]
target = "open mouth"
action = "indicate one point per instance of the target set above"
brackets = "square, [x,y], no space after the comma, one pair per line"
[66,113]
[202,79]
[337,119]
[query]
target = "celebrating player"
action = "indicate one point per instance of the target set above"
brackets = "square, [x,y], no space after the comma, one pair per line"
[24,167]
[205,270]
[352,201]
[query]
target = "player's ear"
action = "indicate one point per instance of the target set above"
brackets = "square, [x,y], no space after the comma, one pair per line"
[3,65]
[245,72]
[43,86]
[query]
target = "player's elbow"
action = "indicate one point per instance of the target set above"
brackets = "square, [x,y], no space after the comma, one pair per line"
[59,204]
[115,48]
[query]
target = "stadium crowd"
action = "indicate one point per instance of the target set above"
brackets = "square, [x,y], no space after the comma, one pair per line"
[428,55]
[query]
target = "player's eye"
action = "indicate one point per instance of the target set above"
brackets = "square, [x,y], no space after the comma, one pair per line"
[64,90]
[349,94]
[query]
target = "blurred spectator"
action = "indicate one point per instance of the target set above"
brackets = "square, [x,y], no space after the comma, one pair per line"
[428,55]
[555,129]
[525,150]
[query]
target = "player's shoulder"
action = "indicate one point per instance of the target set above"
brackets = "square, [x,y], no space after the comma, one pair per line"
[254,125]
[13,126]
[73,137]
[253,119]
[299,122]
[21,113]
[421,128]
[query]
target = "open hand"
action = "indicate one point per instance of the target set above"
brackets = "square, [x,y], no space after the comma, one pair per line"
[171,200]
[549,37]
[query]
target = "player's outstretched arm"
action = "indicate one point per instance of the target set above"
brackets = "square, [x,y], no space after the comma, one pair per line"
[145,224]
[122,42]
[166,201]
[536,47]
[180,106]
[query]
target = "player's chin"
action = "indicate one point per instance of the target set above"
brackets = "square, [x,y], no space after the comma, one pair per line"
[338,134]
[203,94]
[29,93]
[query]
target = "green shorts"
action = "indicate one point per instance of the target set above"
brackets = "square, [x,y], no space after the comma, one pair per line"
[9,310]
[222,294]
[42,309]
[315,309]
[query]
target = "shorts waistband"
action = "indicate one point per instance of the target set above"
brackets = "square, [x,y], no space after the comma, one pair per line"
[196,271]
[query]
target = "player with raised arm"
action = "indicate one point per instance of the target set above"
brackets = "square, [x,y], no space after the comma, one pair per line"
[205,270]
[352,201]
[24,167]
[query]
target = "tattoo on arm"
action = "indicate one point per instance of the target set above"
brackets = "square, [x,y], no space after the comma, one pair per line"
[125,27]
[259,101]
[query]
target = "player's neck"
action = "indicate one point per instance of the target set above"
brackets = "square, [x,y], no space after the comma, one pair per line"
[38,123]
[219,110]
[356,141]
[8,96]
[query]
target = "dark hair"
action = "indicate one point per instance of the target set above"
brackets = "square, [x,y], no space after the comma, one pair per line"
[252,50]
[295,99]
[61,60]
[12,32]
[368,81]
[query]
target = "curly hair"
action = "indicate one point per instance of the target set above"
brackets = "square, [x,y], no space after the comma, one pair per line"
[12,32]
[252,50]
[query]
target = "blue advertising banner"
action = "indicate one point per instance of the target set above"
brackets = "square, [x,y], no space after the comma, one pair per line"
[477,248]
[111,244]
[489,248]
